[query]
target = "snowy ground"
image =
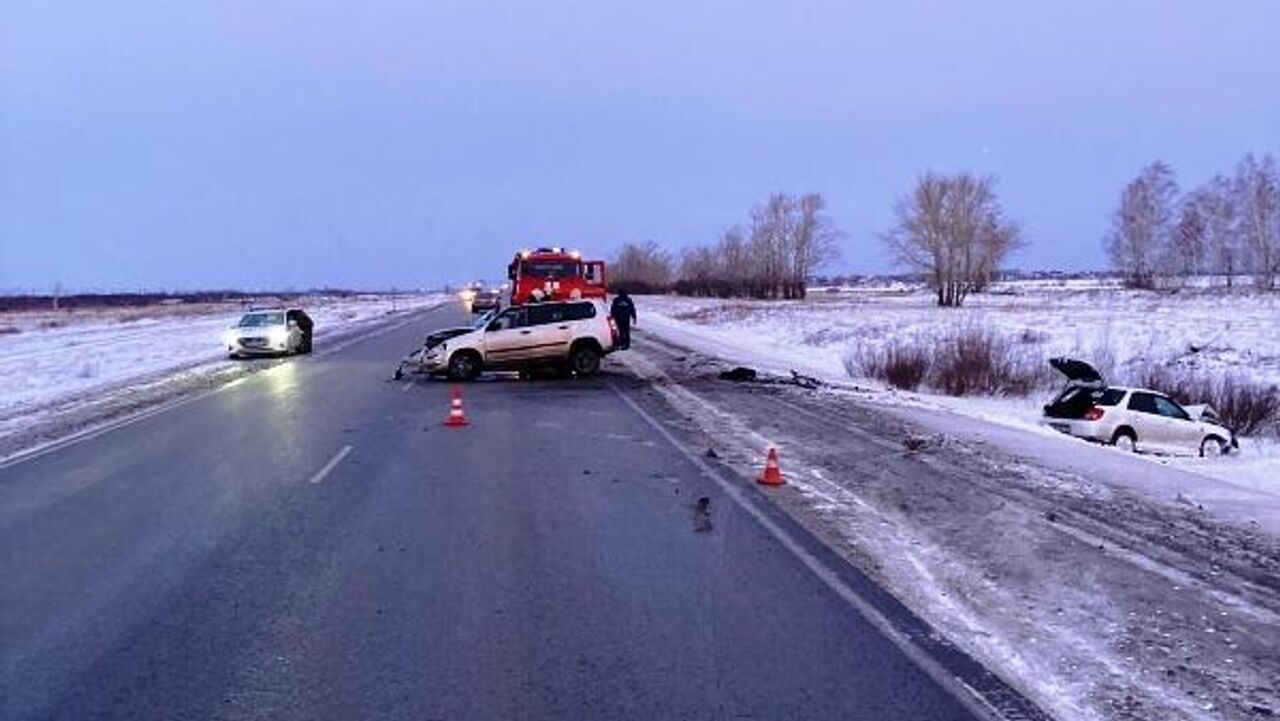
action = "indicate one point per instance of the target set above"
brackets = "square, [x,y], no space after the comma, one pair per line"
[53,363]
[1104,586]
[1117,329]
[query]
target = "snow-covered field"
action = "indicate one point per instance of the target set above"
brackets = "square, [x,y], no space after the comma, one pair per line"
[1120,331]
[51,358]
[1104,585]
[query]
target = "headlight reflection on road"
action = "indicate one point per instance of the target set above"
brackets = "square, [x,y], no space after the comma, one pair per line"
[281,380]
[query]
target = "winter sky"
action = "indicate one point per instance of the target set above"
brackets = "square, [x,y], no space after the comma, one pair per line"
[220,143]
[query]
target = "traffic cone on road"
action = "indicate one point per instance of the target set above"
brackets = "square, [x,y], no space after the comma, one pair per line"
[772,475]
[457,418]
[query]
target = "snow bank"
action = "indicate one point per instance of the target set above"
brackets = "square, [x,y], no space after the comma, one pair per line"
[1121,329]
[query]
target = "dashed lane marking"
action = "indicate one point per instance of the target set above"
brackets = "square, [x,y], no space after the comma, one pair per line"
[333,463]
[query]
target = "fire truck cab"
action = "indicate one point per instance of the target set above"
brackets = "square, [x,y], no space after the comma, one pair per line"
[555,274]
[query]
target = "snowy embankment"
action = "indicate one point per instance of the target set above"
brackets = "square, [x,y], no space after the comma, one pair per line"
[1121,331]
[50,361]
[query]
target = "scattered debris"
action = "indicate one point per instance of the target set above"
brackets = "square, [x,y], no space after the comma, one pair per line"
[711,453]
[702,515]
[1051,516]
[805,381]
[740,374]
[915,443]
[743,374]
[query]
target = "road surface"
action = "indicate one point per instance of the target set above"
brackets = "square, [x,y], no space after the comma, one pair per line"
[312,543]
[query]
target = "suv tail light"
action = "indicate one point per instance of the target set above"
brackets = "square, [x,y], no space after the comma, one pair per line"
[613,329]
[1094,414]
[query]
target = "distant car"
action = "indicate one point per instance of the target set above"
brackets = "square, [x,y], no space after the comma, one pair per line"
[1133,419]
[486,300]
[570,336]
[270,332]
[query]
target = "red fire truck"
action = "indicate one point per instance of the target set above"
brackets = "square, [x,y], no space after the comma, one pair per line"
[555,274]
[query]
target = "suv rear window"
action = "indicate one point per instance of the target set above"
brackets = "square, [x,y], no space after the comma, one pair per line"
[580,311]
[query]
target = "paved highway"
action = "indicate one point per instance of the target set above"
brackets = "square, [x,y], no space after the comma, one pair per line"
[312,543]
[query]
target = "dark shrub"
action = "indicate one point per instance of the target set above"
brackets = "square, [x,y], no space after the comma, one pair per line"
[968,361]
[1244,406]
[901,364]
[976,361]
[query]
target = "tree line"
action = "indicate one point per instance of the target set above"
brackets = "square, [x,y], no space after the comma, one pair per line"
[785,241]
[951,229]
[1228,226]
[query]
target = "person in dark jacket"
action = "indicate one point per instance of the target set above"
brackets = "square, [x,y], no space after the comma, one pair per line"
[623,311]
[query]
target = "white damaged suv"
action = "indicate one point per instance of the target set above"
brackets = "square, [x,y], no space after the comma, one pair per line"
[569,336]
[1132,419]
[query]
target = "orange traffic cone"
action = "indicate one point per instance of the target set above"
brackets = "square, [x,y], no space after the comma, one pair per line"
[457,418]
[772,475]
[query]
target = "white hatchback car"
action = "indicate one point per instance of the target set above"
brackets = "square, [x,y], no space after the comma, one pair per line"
[571,336]
[1131,418]
[270,332]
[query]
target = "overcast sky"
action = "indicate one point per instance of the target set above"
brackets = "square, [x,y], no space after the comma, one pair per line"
[245,143]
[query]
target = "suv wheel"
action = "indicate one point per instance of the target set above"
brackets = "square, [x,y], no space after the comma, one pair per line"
[1125,441]
[584,361]
[464,366]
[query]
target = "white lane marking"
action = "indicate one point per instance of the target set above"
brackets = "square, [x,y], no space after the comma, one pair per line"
[965,694]
[328,467]
[407,386]
[98,429]
[347,342]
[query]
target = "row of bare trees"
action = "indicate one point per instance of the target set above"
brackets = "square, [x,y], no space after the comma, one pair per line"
[642,268]
[952,230]
[787,239]
[1228,226]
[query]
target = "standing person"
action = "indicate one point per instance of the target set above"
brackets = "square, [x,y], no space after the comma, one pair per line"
[624,314]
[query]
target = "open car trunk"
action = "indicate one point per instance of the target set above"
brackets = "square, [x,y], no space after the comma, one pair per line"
[1085,387]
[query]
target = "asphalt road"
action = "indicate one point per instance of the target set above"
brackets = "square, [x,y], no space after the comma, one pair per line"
[312,543]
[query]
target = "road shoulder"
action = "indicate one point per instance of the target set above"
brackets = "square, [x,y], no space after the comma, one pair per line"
[1094,601]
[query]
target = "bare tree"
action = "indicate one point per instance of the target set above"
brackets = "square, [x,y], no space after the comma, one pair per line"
[1257,192]
[952,229]
[643,268]
[771,232]
[814,242]
[788,239]
[1185,251]
[1223,255]
[698,271]
[1142,224]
